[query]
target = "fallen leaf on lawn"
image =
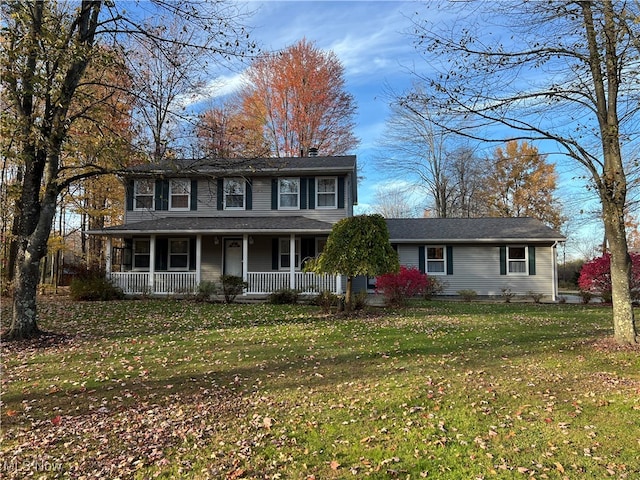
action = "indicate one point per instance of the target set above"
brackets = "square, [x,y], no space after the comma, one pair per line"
[56,420]
[559,467]
[11,413]
[334,465]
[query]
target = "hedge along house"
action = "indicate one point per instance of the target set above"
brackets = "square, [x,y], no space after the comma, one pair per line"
[487,255]
[259,219]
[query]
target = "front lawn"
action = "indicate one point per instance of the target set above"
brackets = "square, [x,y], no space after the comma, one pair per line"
[446,390]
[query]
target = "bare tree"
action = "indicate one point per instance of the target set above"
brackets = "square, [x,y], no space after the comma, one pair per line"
[46,49]
[566,72]
[415,145]
[394,202]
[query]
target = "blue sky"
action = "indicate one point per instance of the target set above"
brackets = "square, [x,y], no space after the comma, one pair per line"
[371,39]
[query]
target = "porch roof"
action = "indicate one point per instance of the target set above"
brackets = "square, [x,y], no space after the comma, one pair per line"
[220,225]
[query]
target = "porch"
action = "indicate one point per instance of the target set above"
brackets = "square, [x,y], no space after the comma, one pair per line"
[259,283]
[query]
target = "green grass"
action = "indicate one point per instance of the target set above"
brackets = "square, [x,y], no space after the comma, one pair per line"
[168,389]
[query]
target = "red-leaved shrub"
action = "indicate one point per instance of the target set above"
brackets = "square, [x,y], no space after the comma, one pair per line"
[397,288]
[595,276]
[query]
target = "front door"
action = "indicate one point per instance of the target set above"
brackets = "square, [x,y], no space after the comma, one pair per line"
[233,256]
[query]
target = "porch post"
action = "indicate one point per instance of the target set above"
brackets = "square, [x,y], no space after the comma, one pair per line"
[338,284]
[198,258]
[107,258]
[245,258]
[152,262]
[292,262]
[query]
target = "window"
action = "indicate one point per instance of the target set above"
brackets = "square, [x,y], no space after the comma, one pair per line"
[285,251]
[326,189]
[436,260]
[517,260]
[179,194]
[289,193]
[234,189]
[178,254]
[141,253]
[143,194]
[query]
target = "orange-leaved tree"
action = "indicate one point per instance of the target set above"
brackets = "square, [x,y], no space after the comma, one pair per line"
[298,97]
[522,184]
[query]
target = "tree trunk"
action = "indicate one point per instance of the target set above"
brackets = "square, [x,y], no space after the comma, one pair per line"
[24,322]
[348,300]
[624,326]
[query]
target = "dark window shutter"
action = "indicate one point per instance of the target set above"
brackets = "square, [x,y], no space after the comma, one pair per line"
[303,192]
[449,260]
[340,192]
[129,193]
[503,260]
[421,259]
[249,194]
[194,195]
[312,193]
[192,254]
[532,260]
[220,194]
[162,195]
[274,194]
[162,254]
[275,245]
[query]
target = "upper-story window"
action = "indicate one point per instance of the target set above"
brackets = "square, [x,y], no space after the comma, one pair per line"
[144,190]
[436,260]
[179,194]
[517,260]
[234,194]
[289,193]
[326,192]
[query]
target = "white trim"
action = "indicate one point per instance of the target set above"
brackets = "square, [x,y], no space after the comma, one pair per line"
[297,206]
[242,183]
[188,194]
[136,182]
[525,261]
[169,254]
[443,260]
[335,194]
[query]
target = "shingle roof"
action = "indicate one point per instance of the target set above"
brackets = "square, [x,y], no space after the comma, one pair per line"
[253,166]
[470,230]
[219,225]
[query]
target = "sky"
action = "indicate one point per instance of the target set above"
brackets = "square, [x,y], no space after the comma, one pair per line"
[372,41]
[369,38]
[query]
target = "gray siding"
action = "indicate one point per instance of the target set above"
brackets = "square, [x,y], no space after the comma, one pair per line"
[477,267]
[261,189]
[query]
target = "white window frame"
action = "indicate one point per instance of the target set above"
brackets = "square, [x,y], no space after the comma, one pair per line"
[237,181]
[435,260]
[524,261]
[284,252]
[136,253]
[295,180]
[172,254]
[136,194]
[334,193]
[187,183]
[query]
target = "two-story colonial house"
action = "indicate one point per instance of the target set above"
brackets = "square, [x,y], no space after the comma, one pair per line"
[260,219]
[189,222]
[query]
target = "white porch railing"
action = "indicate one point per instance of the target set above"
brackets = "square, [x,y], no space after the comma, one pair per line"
[268,282]
[138,283]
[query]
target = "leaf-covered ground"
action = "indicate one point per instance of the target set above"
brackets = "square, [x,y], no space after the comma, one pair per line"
[177,389]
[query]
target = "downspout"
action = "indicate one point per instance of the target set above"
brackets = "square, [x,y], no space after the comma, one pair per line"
[555,271]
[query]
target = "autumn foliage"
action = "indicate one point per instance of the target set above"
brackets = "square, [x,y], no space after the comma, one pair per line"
[398,287]
[595,276]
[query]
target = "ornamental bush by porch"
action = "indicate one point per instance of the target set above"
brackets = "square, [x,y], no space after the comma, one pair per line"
[397,288]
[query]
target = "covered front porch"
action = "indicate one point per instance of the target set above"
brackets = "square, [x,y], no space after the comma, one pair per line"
[177,261]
